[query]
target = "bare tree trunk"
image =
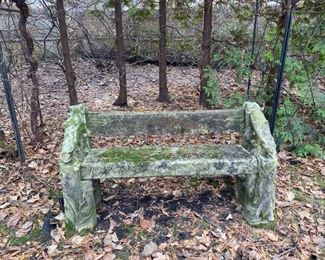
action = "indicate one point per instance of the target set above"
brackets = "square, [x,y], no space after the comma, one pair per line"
[36,124]
[69,73]
[273,67]
[163,89]
[206,50]
[122,98]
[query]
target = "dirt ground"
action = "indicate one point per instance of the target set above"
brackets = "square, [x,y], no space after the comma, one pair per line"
[183,218]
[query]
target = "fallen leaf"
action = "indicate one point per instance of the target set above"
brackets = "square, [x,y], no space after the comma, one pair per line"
[2,206]
[3,215]
[290,196]
[52,249]
[149,249]
[77,240]
[24,229]
[32,165]
[159,256]
[320,241]
[271,236]
[146,224]
[13,220]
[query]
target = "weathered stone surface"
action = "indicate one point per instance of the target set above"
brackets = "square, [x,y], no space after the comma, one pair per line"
[80,208]
[257,192]
[157,161]
[254,164]
[168,122]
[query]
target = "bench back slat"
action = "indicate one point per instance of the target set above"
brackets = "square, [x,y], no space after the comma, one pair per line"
[173,122]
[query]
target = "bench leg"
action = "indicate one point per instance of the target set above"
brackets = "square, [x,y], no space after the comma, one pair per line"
[97,191]
[79,203]
[256,193]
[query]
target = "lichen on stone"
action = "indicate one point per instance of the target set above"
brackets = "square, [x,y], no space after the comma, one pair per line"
[257,192]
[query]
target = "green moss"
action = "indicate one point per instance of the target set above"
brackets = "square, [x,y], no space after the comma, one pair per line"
[140,155]
[70,229]
[55,194]
[134,155]
[123,254]
[34,235]
[4,230]
[3,144]
[268,225]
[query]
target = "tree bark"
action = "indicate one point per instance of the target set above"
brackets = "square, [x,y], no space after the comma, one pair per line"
[35,122]
[69,73]
[122,97]
[206,50]
[273,68]
[163,89]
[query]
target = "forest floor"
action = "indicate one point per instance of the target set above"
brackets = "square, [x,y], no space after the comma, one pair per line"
[183,218]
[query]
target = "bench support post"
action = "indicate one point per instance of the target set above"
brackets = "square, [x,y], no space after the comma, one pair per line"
[256,192]
[80,196]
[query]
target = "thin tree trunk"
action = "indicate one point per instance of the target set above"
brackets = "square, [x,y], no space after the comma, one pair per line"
[163,89]
[206,50]
[34,100]
[122,97]
[69,73]
[273,68]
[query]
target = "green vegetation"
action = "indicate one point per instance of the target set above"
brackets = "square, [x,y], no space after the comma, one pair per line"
[4,230]
[212,89]
[123,254]
[33,235]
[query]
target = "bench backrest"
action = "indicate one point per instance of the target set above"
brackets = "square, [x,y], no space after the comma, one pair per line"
[167,122]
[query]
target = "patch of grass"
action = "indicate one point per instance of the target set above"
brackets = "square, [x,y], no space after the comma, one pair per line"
[300,196]
[204,224]
[292,171]
[33,235]
[141,234]
[304,197]
[320,180]
[129,229]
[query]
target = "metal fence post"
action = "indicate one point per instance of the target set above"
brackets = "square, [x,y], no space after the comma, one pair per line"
[253,48]
[282,65]
[13,117]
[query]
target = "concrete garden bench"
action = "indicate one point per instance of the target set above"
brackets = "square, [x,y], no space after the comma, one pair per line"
[253,163]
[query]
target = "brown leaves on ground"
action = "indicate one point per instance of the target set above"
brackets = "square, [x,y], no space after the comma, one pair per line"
[158,218]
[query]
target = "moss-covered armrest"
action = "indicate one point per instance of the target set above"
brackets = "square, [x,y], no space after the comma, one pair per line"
[78,194]
[257,135]
[257,192]
[76,142]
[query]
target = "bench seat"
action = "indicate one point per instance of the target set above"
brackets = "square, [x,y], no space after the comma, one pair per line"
[160,161]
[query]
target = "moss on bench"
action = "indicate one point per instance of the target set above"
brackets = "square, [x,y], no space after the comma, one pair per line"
[140,155]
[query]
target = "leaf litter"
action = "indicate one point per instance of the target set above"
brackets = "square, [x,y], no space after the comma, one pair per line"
[170,218]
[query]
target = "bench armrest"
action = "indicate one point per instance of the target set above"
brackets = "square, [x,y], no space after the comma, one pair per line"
[257,136]
[76,142]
